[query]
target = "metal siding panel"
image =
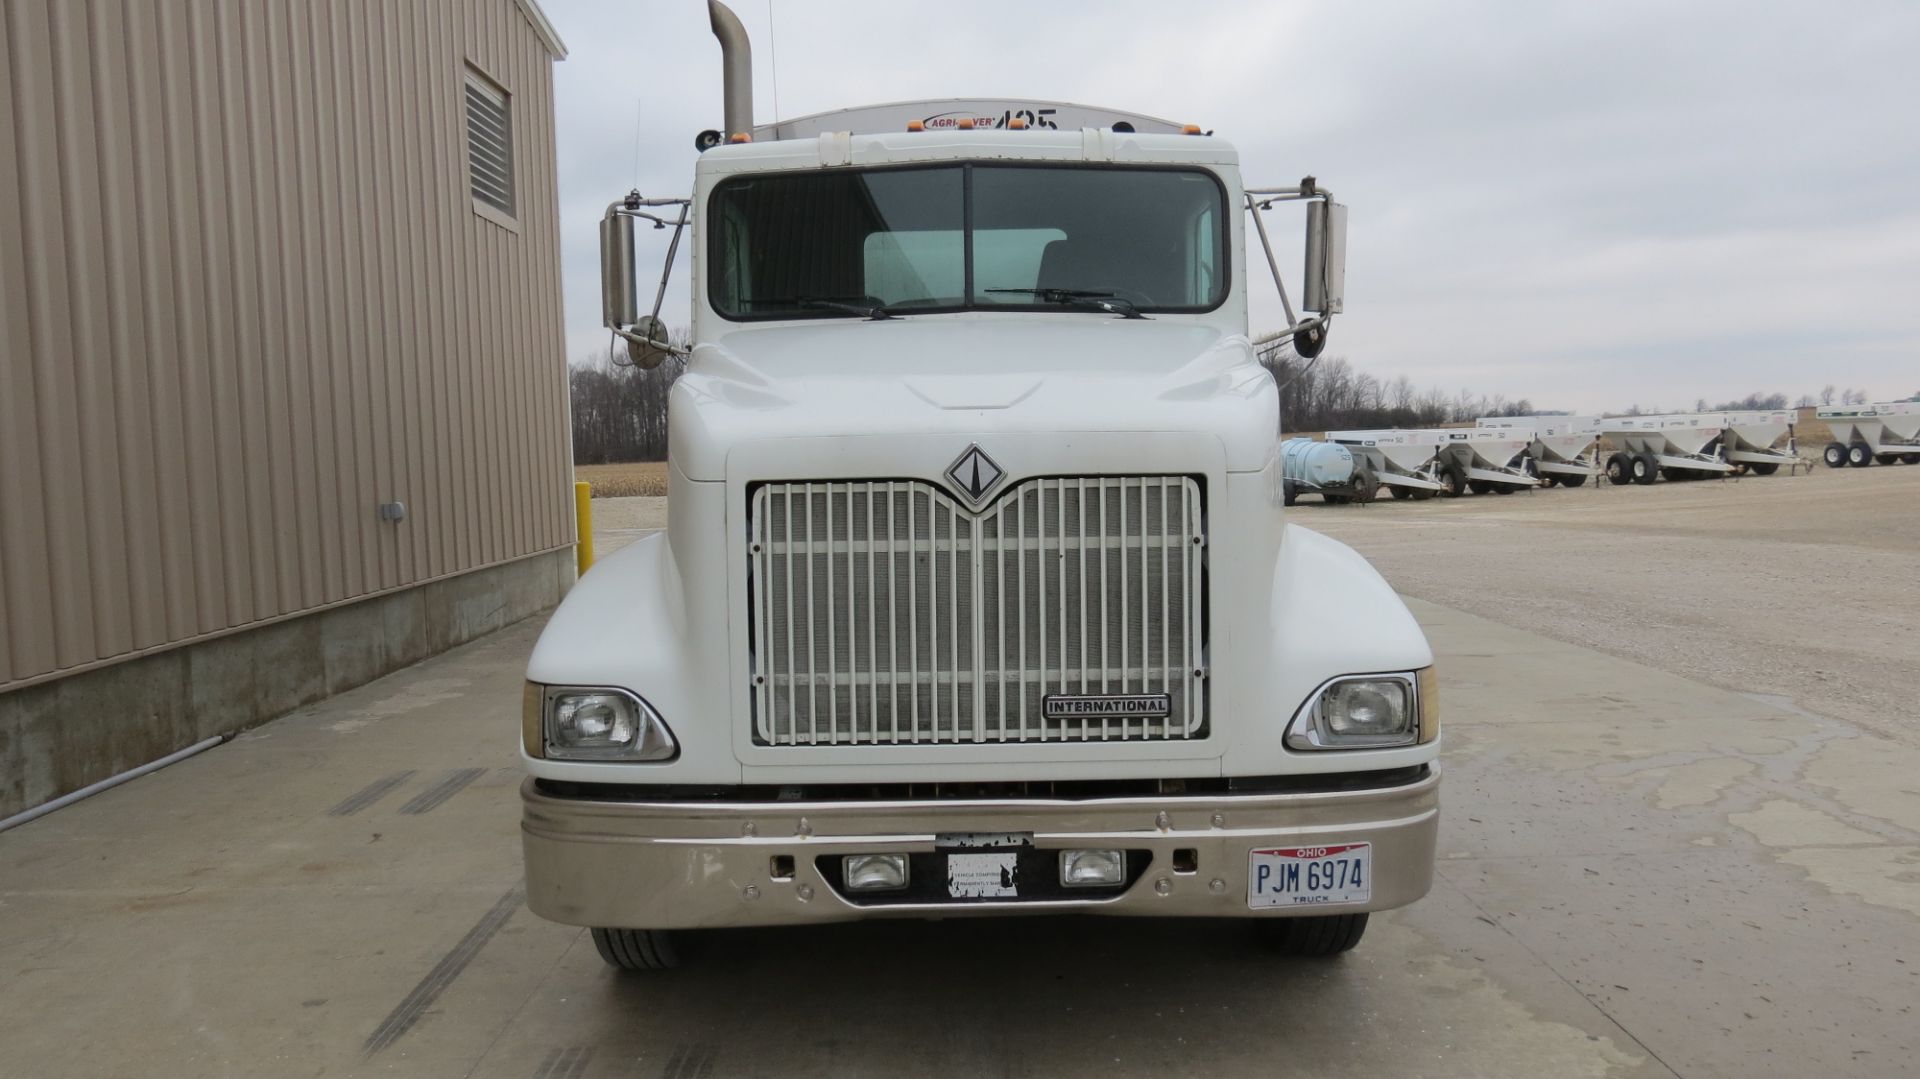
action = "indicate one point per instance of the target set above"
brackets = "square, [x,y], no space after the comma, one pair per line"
[244,296]
[278,353]
[101,487]
[156,348]
[141,612]
[213,189]
[26,590]
[44,255]
[187,270]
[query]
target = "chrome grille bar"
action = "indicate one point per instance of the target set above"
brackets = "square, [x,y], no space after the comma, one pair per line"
[917,622]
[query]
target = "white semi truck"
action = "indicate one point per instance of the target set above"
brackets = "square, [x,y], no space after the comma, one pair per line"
[977,595]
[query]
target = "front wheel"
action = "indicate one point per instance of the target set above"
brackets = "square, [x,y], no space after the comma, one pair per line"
[640,949]
[1317,935]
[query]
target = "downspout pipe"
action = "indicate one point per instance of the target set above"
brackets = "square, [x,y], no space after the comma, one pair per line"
[736,68]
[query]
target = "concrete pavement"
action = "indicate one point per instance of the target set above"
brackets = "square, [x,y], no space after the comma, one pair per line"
[1641,875]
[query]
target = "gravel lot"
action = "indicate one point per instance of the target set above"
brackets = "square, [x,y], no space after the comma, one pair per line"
[1806,587]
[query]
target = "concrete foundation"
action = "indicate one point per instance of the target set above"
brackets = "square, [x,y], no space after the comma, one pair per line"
[59,736]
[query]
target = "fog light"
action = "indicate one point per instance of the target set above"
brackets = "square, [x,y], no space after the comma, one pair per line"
[1092,868]
[874,872]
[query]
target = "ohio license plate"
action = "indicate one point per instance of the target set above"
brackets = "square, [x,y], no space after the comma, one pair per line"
[1310,876]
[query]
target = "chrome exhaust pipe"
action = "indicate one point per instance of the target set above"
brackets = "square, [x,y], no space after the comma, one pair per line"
[736,69]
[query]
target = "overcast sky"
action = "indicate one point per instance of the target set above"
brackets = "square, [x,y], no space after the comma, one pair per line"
[1591,205]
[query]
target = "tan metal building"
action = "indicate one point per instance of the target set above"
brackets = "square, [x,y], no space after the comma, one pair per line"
[283,392]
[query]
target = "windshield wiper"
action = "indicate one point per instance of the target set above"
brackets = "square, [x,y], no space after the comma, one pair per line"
[1079,297]
[870,312]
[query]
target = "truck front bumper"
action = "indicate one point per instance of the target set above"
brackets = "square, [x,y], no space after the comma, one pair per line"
[675,865]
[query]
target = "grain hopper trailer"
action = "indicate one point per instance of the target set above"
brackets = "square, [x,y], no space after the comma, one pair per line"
[1327,469]
[976,599]
[1751,441]
[1480,460]
[1401,460]
[1563,447]
[1677,446]
[1864,434]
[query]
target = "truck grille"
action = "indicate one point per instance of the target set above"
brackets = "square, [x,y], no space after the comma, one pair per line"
[883,612]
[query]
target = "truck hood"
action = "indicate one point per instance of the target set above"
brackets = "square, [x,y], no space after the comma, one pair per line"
[970,375]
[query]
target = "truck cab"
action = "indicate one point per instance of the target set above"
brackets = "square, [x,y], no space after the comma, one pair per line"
[977,594]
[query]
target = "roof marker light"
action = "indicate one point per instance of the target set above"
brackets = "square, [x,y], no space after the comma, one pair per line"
[739,137]
[966,123]
[1190,129]
[916,125]
[1017,124]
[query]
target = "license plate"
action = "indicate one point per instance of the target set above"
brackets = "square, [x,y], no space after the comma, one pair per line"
[982,876]
[1310,876]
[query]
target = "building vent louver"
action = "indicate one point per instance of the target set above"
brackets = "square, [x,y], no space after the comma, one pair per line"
[489,144]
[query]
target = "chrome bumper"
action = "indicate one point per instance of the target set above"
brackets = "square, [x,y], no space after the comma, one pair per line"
[671,865]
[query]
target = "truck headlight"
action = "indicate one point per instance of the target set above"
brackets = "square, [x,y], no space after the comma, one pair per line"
[1369,711]
[598,724]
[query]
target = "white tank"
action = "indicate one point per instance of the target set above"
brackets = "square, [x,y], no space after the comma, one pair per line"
[1315,464]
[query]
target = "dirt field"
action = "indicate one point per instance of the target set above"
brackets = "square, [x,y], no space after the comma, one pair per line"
[638,478]
[1805,586]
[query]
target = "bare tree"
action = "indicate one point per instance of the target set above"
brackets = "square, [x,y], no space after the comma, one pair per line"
[1826,394]
[620,411]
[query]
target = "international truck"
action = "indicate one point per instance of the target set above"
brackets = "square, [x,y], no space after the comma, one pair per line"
[977,594]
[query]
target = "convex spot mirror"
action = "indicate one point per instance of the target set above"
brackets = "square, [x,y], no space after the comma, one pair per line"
[648,344]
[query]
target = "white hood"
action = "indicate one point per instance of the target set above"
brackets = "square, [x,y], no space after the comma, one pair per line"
[962,374]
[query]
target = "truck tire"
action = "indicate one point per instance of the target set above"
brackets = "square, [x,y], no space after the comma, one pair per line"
[1620,469]
[1911,458]
[1289,494]
[638,949]
[1503,488]
[1453,480]
[1421,494]
[1316,935]
[1646,469]
[1835,455]
[1765,468]
[1859,456]
[1401,492]
[1572,479]
[1479,487]
[1887,458]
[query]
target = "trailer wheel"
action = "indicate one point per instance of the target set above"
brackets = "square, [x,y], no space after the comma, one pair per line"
[1332,499]
[1835,455]
[1646,469]
[1421,494]
[1453,480]
[1550,480]
[1911,458]
[1502,488]
[1317,935]
[639,949]
[1289,494]
[1366,484]
[1675,475]
[1859,456]
[1765,468]
[1479,487]
[1887,458]
[1401,493]
[1620,469]
[1573,480]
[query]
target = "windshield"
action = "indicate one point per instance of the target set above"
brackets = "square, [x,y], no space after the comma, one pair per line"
[965,236]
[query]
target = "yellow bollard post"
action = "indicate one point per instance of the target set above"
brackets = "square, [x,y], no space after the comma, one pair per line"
[583,521]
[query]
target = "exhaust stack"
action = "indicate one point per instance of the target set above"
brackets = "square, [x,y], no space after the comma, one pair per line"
[736,69]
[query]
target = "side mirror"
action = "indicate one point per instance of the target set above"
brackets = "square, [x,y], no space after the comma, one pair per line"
[1326,289]
[619,307]
[647,343]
